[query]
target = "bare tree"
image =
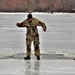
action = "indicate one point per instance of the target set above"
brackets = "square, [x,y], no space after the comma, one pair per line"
[67,5]
[37,5]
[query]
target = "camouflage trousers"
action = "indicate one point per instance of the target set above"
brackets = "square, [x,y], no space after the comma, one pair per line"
[35,40]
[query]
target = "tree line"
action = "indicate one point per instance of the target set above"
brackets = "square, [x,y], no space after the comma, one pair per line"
[37,5]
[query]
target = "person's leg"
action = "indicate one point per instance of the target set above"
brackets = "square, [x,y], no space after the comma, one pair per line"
[36,47]
[28,45]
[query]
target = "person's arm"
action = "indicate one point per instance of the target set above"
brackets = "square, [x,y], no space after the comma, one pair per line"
[43,26]
[22,24]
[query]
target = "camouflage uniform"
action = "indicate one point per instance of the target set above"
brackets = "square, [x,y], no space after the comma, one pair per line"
[32,35]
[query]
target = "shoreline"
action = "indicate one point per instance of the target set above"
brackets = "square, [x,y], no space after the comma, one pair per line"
[36,12]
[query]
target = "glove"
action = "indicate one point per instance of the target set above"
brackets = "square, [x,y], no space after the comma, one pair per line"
[44,29]
[18,24]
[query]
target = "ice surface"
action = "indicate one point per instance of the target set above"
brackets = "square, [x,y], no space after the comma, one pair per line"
[57,45]
[60,35]
[43,56]
[35,67]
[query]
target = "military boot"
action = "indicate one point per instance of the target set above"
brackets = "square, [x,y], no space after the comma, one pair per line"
[27,58]
[74,59]
[38,58]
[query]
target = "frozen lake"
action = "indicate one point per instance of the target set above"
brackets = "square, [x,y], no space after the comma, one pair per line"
[59,38]
[35,67]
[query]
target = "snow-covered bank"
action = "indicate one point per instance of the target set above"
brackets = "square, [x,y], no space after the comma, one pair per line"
[34,13]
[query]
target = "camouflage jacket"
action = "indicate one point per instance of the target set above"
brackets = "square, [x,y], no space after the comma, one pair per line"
[32,27]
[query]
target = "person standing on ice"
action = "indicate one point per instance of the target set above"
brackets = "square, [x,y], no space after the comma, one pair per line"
[32,34]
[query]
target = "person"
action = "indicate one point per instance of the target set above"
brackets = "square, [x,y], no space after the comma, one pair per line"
[32,34]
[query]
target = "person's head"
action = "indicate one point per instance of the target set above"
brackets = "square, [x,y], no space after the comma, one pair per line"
[29,16]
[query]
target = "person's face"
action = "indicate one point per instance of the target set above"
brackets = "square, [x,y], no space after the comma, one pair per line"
[30,20]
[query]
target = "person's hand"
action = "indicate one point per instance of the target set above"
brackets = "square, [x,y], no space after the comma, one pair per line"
[17,24]
[44,29]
